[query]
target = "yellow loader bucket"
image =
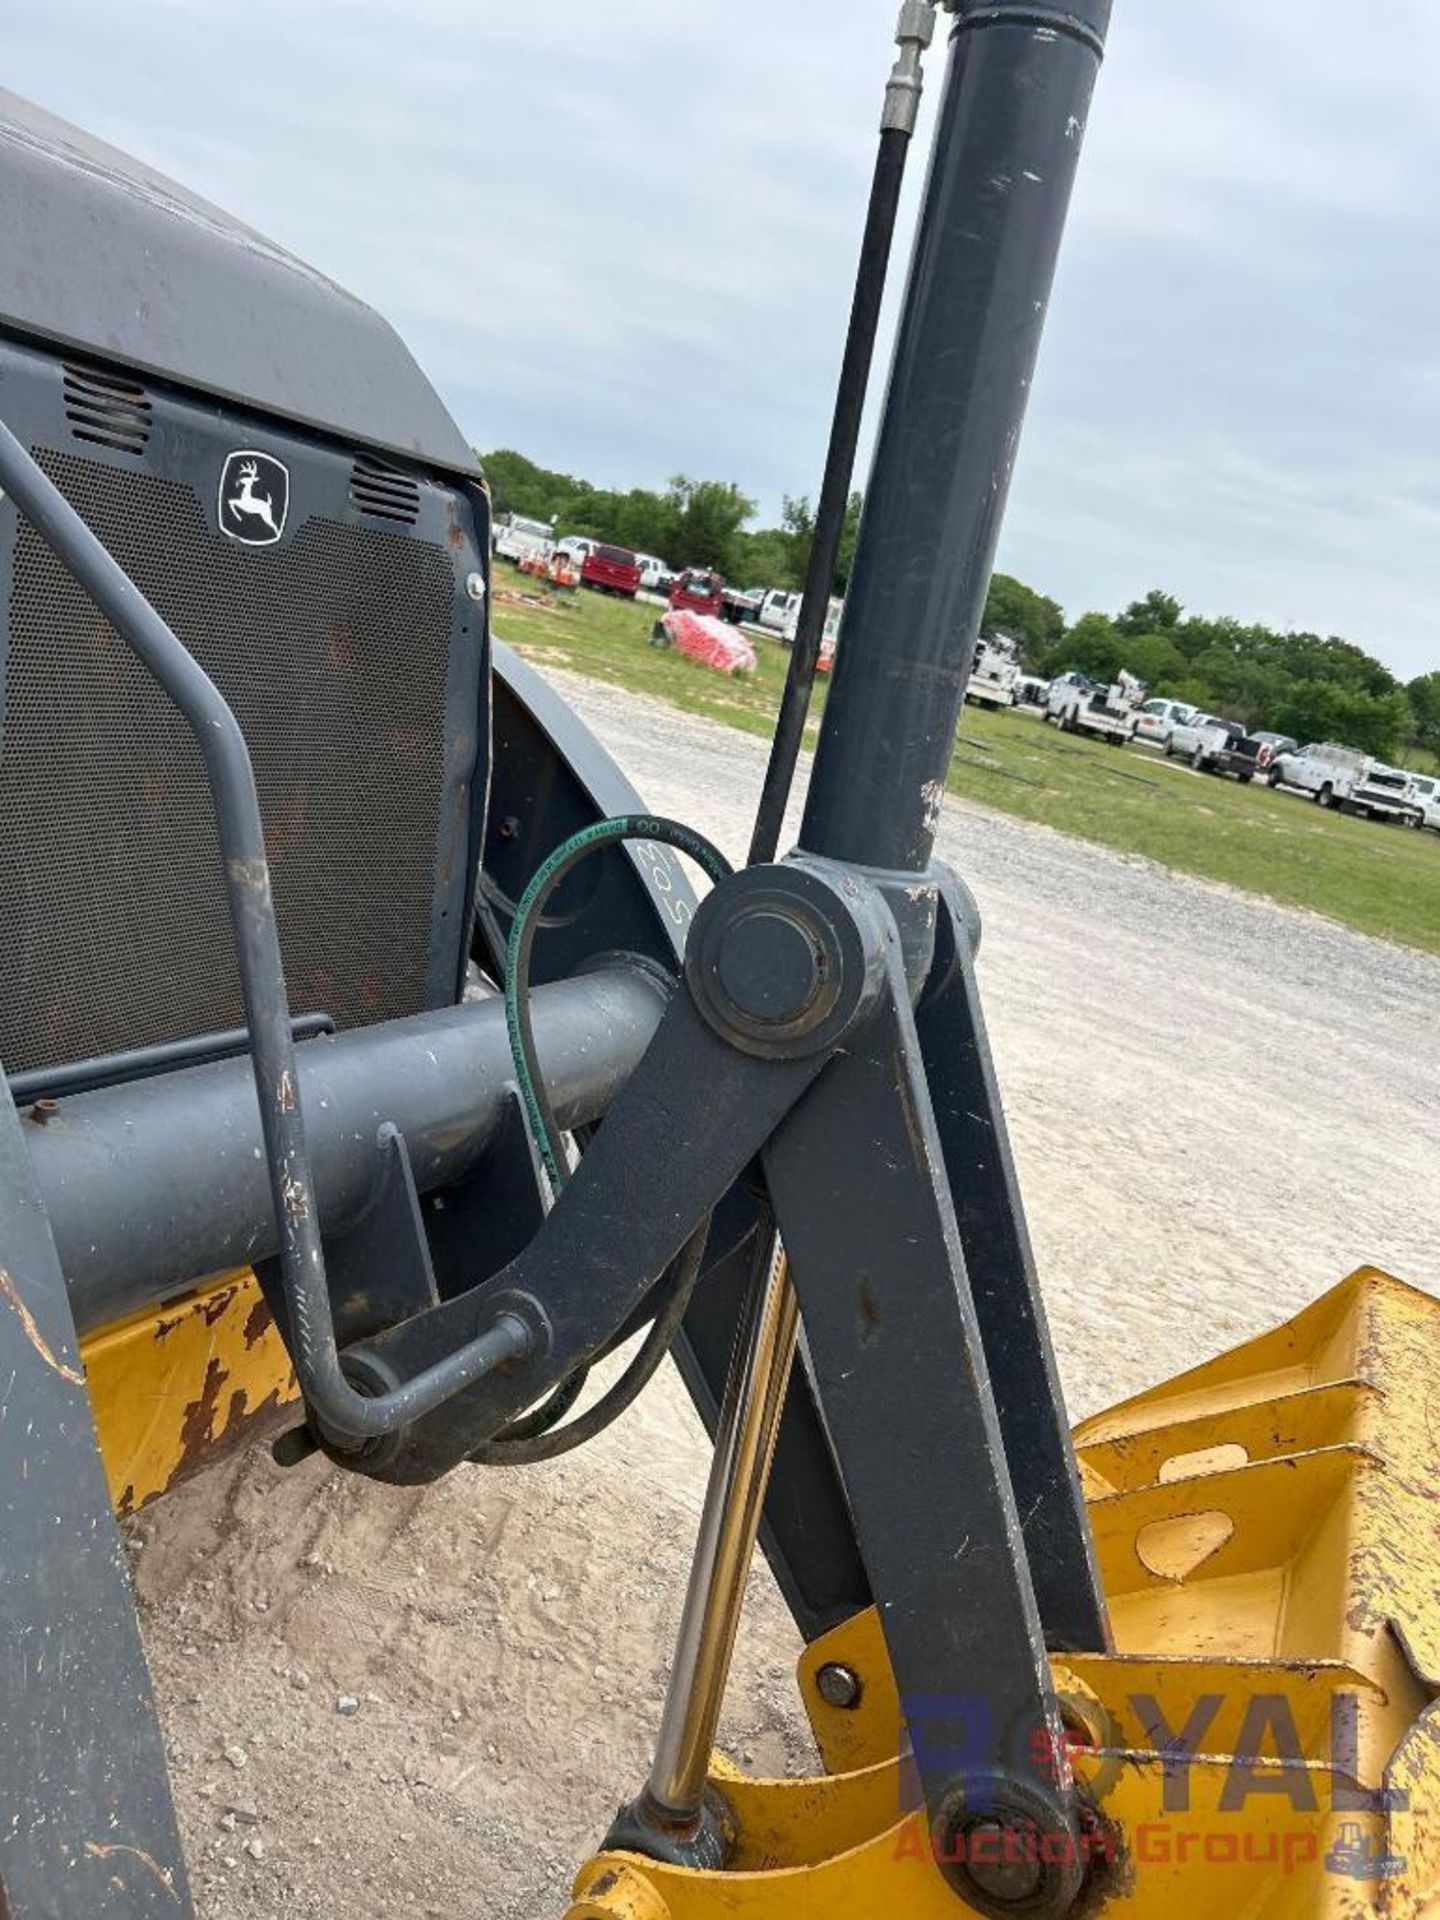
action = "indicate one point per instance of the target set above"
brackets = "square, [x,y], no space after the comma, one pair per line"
[1265,1741]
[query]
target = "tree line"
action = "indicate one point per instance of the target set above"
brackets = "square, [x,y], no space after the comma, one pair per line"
[1313,686]
[692,523]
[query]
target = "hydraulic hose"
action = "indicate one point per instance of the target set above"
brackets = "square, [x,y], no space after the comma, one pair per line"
[531,1439]
[917,27]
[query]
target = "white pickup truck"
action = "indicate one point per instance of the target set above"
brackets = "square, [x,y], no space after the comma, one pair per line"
[517,538]
[779,611]
[1158,719]
[1078,705]
[995,675]
[1345,778]
[1425,792]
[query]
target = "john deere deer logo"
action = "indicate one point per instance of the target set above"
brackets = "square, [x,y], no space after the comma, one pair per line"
[254,498]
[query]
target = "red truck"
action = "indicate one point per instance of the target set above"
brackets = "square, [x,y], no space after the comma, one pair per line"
[612,570]
[697,591]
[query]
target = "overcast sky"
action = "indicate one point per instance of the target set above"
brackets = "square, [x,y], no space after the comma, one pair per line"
[620,235]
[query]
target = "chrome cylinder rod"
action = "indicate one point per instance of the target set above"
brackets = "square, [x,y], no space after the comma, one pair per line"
[730,1521]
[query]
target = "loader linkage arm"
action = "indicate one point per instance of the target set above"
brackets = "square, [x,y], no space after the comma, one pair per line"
[795,1039]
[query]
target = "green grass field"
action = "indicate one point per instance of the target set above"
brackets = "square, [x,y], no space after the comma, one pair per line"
[1381,880]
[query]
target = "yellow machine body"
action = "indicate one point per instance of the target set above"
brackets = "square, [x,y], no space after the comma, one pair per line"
[174,1391]
[1264,1743]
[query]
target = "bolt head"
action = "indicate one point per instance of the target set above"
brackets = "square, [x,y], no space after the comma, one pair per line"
[838,1685]
[475,585]
[1016,1856]
[1003,1861]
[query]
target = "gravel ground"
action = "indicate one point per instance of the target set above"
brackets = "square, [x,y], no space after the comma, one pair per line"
[1219,1108]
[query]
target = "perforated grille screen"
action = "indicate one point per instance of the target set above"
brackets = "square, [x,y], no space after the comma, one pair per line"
[333,650]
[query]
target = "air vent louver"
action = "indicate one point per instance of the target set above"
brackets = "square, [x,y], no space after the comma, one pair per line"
[107,409]
[384,493]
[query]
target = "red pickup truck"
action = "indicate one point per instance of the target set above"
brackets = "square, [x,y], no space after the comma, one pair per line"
[612,570]
[697,591]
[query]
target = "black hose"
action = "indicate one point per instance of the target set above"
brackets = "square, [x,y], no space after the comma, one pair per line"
[546,1128]
[834,492]
[531,1448]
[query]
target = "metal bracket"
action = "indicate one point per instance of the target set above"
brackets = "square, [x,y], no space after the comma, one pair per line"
[379,1271]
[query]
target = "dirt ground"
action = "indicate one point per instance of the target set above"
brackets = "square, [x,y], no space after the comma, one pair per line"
[383,1703]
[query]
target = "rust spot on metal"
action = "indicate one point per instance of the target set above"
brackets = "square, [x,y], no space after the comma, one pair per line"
[98,1850]
[217,1305]
[607,1883]
[212,1307]
[1113,1875]
[195,1437]
[258,1323]
[342,644]
[33,1334]
[207,1434]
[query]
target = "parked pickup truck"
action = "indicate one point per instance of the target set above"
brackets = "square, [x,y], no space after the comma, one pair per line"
[834,610]
[1077,705]
[1158,719]
[741,606]
[656,575]
[1225,747]
[516,538]
[779,611]
[995,675]
[698,590]
[1425,792]
[1185,735]
[612,570]
[1347,779]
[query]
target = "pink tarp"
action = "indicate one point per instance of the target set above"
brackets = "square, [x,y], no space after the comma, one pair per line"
[714,643]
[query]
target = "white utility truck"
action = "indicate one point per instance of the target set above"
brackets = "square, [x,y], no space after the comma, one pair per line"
[1078,704]
[995,676]
[1347,779]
